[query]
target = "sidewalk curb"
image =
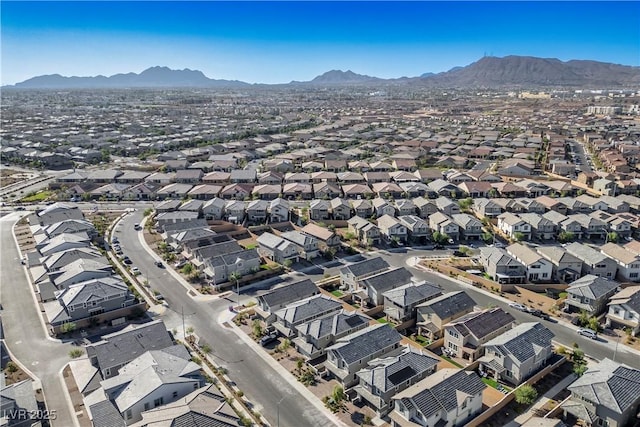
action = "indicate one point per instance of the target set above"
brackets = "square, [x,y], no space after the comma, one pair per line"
[67,396]
[285,374]
[25,270]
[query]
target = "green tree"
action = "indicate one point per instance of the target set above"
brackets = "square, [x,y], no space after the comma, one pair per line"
[285,344]
[147,212]
[187,269]
[526,394]
[613,237]
[465,204]
[11,367]
[518,236]
[338,394]
[75,353]
[257,328]
[487,237]
[594,324]
[579,369]
[206,349]
[583,318]
[566,236]
[68,327]
[440,238]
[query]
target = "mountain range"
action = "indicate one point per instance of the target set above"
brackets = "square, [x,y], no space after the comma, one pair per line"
[490,72]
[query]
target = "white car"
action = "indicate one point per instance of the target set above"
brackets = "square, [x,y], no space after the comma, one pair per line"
[135,271]
[588,333]
[518,306]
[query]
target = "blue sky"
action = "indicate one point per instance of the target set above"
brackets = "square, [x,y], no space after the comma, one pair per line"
[276,42]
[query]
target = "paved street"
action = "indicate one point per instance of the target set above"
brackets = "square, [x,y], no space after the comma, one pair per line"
[260,383]
[24,334]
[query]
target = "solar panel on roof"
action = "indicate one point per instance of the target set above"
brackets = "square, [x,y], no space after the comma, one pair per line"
[402,375]
[354,321]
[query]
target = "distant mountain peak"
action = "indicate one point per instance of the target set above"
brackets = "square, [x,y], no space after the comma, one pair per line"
[342,77]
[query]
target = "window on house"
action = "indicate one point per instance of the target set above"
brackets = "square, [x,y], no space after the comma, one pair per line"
[633,274]
[175,394]
[159,401]
[146,406]
[129,414]
[464,404]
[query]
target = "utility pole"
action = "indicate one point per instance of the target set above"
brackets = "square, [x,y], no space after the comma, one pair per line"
[184,331]
[615,352]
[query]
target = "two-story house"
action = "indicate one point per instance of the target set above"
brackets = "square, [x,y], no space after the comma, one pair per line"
[608,394]
[449,397]
[502,267]
[366,232]
[392,229]
[277,249]
[628,262]
[539,269]
[296,313]
[434,314]
[470,227]
[400,303]
[593,261]
[518,353]
[514,227]
[590,293]
[306,244]
[417,228]
[566,267]
[353,352]
[385,377]
[352,274]
[464,337]
[443,224]
[624,309]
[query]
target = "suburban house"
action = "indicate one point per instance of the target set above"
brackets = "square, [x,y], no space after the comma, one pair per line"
[382,207]
[607,394]
[278,210]
[417,228]
[469,226]
[443,224]
[518,353]
[448,398]
[384,377]
[539,269]
[541,227]
[435,313]
[277,249]
[306,244]
[353,352]
[593,261]
[502,267]
[315,335]
[624,309]
[352,274]
[278,298]
[486,208]
[152,379]
[590,293]
[115,350]
[340,209]
[319,210]
[400,303]
[392,229]
[514,227]
[566,267]
[628,262]
[298,312]
[365,232]
[325,237]
[371,289]
[206,406]
[465,336]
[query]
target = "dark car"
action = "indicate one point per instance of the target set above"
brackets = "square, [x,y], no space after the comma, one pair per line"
[268,339]
[127,261]
[20,208]
[159,264]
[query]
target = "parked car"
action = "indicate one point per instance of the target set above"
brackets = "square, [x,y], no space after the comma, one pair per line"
[159,264]
[115,241]
[518,306]
[19,208]
[268,339]
[538,313]
[135,271]
[127,261]
[588,333]
[136,226]
[159,296]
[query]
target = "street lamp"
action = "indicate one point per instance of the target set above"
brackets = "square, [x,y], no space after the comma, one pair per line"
[615,352]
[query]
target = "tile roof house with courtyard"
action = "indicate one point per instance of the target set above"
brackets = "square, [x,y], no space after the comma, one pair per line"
[434,314]
[465,336]
[449,397]
[315,335]
[115,350]
[400,303]
[590,293]
[387,376]
[352,353]
[606,394]
[624,309]
[518,353]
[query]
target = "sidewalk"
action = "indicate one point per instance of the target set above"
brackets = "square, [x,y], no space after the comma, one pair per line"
[227,317]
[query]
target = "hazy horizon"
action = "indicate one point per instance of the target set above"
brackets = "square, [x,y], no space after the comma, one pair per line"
[277,42]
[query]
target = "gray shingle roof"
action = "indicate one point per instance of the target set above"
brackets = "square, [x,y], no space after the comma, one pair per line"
[449,304]
[390,372]
[521,341]
[441,391]
[388,279]
[335,324]
[413,293]
[592,287]
[301,311]
[121,347]
[290,293]
[362,268]
[482,323]
[365,342]
[105,414]
[610,384]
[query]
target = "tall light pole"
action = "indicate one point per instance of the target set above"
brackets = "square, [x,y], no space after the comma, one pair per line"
[615,352]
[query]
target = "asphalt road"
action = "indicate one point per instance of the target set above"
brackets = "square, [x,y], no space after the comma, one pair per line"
[260,383]
[24,334]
